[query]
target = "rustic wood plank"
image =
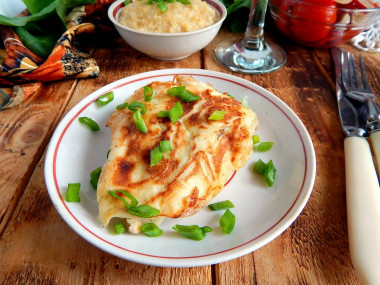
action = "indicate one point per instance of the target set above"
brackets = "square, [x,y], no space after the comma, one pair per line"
[314,250]
[24,134]
[37,247]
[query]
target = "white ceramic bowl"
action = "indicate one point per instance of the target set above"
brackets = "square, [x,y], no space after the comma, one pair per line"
[167,46]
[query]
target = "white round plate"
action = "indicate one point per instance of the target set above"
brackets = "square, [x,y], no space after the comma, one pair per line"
[262,213]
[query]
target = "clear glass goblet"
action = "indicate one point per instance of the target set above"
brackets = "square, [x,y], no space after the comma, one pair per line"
[252,54]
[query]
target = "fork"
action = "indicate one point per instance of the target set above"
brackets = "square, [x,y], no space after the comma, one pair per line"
[358,89]
[362,193]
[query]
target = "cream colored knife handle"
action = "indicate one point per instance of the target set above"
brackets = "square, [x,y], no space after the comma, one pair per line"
[375,142]
[363,209]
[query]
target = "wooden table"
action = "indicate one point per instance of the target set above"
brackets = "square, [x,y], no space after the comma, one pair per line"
[37,247]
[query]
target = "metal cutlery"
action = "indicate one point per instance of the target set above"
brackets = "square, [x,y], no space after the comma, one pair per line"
[362,184]
[358,89]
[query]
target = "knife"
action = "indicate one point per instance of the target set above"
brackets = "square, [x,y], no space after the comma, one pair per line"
[362,185]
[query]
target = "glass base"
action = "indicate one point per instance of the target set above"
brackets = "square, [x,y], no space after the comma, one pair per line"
[232,55]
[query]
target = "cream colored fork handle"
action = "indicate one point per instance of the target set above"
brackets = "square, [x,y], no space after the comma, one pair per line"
[363,209]
[375,142]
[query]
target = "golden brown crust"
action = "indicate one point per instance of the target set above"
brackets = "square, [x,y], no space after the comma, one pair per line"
[204,152]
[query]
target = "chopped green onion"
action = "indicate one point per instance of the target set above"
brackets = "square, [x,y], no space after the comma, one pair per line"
[264,146]
[193,232]
[217,115]
[255,139]
[165,145]
[148,93]
[94,177]
[161,4]
[134,106]
[119,228]
[108,153]
[151,230]
[270,173]
[163,114]
[144,211]
[268,170]
[206,229]
[184,2]
[126,2]
[122,106]
[115,194]
[188,96]
[105,99]
[175,113]
[229,95]
[156,155]
[175,91]
[227,221]
[221,205]
[73,192]
[259,166]
[182,94]
[90,123]
[139,121]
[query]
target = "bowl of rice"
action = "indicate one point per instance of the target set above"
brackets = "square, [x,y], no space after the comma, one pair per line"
[168,30]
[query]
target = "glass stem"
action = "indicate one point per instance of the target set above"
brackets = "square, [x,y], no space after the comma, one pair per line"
[254,34]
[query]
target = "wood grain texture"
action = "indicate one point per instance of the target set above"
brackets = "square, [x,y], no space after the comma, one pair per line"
[24,134]
[37,247]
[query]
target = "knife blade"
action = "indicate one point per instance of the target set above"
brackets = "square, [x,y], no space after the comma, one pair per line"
[362,185]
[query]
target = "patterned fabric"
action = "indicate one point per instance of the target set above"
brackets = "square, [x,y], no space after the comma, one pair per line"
[24,71]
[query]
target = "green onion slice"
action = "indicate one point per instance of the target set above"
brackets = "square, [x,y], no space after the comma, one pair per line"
[264,146]
[134,106]
[259,166]
[144,211]
[139,121]
[90,123]
[73,192]
[94,177]
[122,106]
[227,221]
[255,139]
[268,170]
[161,4]
[217,115]
[175,113]
[165,145]
[126,2]
[148,93]
[108,153]
[175,91]
[221,205]
[163,114]
[183,94]
[119,228]
[156,155]
[151,230]
[184,2]
[270,173]
[116,194]
[193,232]
[105,99]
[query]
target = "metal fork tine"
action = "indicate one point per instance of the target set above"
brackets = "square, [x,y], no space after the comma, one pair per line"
[364,76]
[344,70]
[352,70]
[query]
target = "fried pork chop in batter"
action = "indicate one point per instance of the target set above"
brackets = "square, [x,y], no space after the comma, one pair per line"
[204,152]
